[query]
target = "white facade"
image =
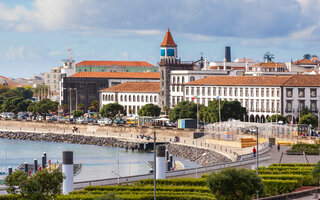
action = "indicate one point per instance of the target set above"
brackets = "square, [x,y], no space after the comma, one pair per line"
[131,101]
[260,101]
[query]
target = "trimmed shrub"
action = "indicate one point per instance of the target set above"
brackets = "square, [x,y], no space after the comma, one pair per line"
[294,164]
[10,197]
[301,172]
[309,149]
[176,181]
[275,187]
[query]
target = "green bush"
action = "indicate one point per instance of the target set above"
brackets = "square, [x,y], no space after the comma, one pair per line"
[235,184]
[285,168]
[316,173]
[294,164]
[301,172]
[275,187]
[10,197]
[176,181]
[309,149]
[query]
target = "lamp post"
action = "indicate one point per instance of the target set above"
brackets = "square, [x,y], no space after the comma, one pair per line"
[70,102]
[154,162]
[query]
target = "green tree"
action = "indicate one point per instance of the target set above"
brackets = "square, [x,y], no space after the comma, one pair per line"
[15,105]
[112,110]
[184,109]
[77,113]
[304,111]
[316,173]
[234,184]
[273,118]
[43,107]
[149,110]
[81,106]
[166,109]
[94,106]
[64,107]
[309,119]
[42,185]
[109,196]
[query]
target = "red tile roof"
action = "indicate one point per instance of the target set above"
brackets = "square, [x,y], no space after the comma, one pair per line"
[142,75]
[288,81]
[168,40]
[115,63]
[305,61]
[144,87]
[270,65]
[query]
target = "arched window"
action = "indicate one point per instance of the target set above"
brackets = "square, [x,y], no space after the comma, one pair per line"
[155,99]
[142,98]
[138,98]
[174,80]
[182,80]
[150,98]
[192,78]
[134,98]
[146,98]
[112,97]
[108,97]
[125,98]
[129,98]
[178,80]
[121,98]
[103,96]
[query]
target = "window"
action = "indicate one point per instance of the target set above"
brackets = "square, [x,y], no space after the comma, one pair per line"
[301,105]
[272,92]
[121,98]
[289,92]
[219,91]
[313,106]
[225,91]
[301,92]
[138,98]
[182,79]
[235,91]
[129,98]
[48,76]
[267,92]
[192,78]
[198,91]
[178,80]
[203,91]
[251,92]
[155,99]
[174,80]
[192,90]
[134,98]
[173,88]
[142,98]
[173,101]
[146,98]
[187,90]
[247,92]
[313,92]
[241,91]
[209,91]
[230,91]
[257,92]
[54,76]
[289,106]
[262,92]
[278,93]
[150,98]
[125,98]
[214,91]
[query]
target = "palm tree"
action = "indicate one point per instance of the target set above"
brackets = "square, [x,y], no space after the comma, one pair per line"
[81,106]
[94,106]
[166,110]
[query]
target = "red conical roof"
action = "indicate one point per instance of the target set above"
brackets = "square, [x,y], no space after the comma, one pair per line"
[168,40]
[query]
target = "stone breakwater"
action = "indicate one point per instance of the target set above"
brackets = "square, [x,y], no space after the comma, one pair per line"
[204,157]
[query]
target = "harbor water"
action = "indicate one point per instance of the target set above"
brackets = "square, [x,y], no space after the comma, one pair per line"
[98,162]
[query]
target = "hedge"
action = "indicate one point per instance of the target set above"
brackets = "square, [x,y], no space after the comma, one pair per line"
[309,149]
[305,180]
[301,172]
[140,197]
[280,168]
[294,164]
[176,181]
[275,187]
[10,197]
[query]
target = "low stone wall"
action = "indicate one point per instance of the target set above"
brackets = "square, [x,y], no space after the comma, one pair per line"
[204,156]
[201,156]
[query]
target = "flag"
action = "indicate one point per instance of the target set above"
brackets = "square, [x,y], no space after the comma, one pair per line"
[195,97]
[69,50]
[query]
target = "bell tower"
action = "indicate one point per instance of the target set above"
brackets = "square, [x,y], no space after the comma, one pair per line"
[168,58]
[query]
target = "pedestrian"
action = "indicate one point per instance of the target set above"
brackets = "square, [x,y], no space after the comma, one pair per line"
[254,151]
[278,146]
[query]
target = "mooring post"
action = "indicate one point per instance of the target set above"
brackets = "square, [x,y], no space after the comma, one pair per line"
[67,170]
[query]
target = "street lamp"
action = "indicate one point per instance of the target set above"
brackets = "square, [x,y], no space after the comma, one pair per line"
[154,161]
[70,106]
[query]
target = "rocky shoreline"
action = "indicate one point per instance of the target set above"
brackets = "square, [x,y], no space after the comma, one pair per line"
[204,157]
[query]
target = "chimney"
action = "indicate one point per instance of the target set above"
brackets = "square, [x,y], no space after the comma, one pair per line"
[227,54]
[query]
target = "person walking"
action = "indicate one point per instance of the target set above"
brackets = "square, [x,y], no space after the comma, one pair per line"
[278,146]
[254,150]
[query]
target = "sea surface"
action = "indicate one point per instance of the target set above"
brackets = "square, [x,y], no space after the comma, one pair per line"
[98,162]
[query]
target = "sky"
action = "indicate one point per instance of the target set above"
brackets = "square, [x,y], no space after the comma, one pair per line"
[36,34]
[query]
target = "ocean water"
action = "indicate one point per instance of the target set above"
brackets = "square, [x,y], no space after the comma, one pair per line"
[97,162]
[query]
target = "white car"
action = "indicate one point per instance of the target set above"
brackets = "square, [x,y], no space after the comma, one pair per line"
[105,121]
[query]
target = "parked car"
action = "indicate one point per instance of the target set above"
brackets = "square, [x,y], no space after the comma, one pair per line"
[105,121]
[119,121]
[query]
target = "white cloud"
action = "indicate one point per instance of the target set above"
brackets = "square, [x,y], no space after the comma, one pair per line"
[54,53]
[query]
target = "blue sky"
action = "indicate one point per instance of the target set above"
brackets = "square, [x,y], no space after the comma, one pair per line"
[35,34]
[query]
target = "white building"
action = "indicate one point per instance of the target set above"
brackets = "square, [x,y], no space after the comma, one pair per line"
[263,96]
[131,95]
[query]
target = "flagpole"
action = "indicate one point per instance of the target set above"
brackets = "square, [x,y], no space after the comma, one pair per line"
[197,115]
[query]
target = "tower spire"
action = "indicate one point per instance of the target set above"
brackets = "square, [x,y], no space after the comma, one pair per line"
[168,40]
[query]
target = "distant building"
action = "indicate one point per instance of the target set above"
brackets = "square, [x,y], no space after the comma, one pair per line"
[131,95]
[115,66]
[84,87]
[307,63]
[53,78]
